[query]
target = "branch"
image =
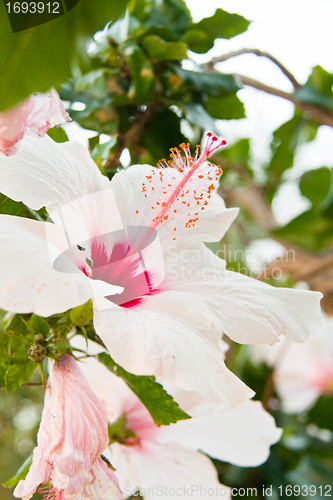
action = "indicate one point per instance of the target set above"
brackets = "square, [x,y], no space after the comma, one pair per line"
[257,52]
[323,117]
[131,136]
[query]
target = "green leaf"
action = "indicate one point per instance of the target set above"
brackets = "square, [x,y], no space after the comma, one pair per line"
[162,132]
[158,402]
[198,116]
[315,184]
[160,50]
[81,315]
[38,325]
[18,373]
[322,413]
[20,474]
[221,25]
[321,80]
[57,134]
[238,154]
[308,94]
[11,207]
[39,58]
[172,14]
[310,230]
[215,84]
[143,77]
[225,108]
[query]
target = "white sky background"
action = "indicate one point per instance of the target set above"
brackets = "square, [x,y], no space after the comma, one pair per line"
[299,34]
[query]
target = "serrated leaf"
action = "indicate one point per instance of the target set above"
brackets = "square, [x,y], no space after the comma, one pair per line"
[158,402]
[215,84]
[18,373]
[49,49]
[225,108]
[160,50]
[315,184]
[20,474]
[221,25]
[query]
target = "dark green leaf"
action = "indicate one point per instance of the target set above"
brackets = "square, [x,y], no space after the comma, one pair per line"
[11,207]
[225,108]
[322,413]
[315,184]
[81,315]
[221,25]
[160,50]
[20,474]
[48,49]
[158,402]
[238,154]
[172,14]
[162,133]
[216,84]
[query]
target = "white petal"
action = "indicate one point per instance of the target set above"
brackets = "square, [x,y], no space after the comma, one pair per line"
[166,471]
[166,335]
[241,436]
[29,281]
[249,311]
[45,173]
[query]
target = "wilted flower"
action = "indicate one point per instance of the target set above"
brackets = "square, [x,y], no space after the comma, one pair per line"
[164,459]
[72,435]
[35,115]
[142,231]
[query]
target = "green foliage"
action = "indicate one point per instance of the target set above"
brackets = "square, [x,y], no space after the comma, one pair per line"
[81,315]
[225,108]
[315,184]
[158,402]
[50,49]
[200,37]
[318,89]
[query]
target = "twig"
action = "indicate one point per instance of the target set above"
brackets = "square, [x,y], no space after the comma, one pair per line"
[323,117]
[210,65]
[131,136]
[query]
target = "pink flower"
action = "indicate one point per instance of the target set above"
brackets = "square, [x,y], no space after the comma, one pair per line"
[72,435]
[35,115]
[166,459]
[141,233]
[302,372]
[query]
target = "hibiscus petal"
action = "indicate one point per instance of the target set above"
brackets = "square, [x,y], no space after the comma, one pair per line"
[154,338]
[249,311]
[46,173]
[166,470]
[134,207]
[241,436]
[29,282]
[36,114]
